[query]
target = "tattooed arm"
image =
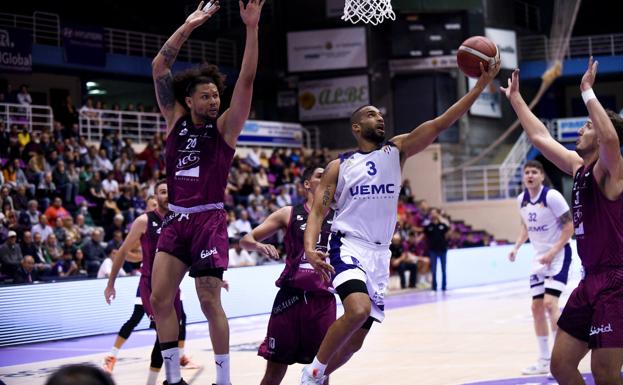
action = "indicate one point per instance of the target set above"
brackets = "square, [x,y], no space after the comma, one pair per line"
[322,203]
[162,63]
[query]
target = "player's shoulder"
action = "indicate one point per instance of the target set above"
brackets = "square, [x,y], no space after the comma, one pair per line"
[553,194]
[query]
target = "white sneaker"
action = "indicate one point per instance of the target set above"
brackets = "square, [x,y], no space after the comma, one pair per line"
[540,367]
[311,379]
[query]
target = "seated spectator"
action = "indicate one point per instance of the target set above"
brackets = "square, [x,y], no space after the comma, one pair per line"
[42,228]
[79,259]
[416,250]
[10,255]
[52,251]
[64,187]
[257,213]
[30,217]
[83,227]
[472,241]
[261,180]
[101,163]
[116,225]
[402,262]
[66,266]
[5,197]
[20,199]
[31,245]
[56,211]
[242,224]
[256,196]
[284,198]
[37,166]
[239,257]
[94,252]
[110,185]
[27,272]
[232,232]
[45,190]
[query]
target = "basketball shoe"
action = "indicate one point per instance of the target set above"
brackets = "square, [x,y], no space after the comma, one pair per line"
[109,364]
[180,382]
[311,378]
[540,367]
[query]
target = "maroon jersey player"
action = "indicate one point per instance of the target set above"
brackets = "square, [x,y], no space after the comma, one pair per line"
[199,148]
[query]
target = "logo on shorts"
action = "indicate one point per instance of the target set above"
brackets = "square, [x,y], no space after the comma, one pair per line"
[271,342]
[207,253]
[601,329]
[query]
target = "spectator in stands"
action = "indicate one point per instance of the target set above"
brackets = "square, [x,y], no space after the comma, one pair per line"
[63,184]
[94,252]
[436,231]
[23,138]
[45,190]
[472,241]
[38,254]
[59,231]
[416,249]
[239,257]
[110,209]
[29,248]
[110,185]
[402,262]
[55,211]
[96,192]
[30,217]
[66,266]
[5,197]
[52,251]
[10,255]
[88,111]
[101,163]
[79,259]
[131,175]
[37,166]
[256,196]
[406,194]
[67,114]
[69,244]
[9,174]
[284,198]
[83,228]
[257,212]
[242,224]
[85,176]
[26,273]
[23,96]
[22,180]
[43,228]
[106,268]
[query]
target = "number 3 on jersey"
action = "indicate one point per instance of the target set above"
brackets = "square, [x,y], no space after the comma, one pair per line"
[371,168]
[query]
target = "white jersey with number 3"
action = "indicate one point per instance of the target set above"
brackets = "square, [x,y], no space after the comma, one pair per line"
[366,197]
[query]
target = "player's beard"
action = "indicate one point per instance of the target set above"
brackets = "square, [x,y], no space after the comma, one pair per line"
[371,135]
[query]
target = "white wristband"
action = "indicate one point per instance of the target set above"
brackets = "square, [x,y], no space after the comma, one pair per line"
[588,95]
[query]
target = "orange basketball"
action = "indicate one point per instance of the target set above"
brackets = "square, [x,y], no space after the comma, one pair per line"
[476,50]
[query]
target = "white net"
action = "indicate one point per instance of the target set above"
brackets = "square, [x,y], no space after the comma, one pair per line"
[368,11]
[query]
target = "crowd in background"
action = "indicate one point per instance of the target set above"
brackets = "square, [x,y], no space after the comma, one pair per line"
[67,205]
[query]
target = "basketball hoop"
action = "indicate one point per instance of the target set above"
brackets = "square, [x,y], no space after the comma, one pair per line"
[368,11]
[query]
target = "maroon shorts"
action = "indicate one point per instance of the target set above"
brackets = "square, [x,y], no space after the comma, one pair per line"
[199,240]
[144,288]
[297,326]
[594,311]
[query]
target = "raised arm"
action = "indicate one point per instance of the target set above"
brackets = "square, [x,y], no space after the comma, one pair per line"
[423,135]
[162,63]
[232,120]
[138,228]
[566,160]
[322,203]
[610,163]
[275,221]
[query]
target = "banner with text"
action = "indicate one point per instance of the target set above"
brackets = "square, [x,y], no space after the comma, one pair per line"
[327,49]
[84,45]
[506,40]
[271,134]
[15,50]
[332,98]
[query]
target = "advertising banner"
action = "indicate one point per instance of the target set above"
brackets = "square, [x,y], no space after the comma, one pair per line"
[84,45]
[327,49]
[332,98]
[15,50]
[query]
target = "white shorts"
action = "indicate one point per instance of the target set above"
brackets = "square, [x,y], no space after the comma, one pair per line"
[553,280]
[353,258]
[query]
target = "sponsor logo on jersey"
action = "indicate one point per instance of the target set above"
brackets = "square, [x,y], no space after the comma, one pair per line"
[184,131]
[537,229]
[601,329]
[372,189]
[208,253]
[188,161]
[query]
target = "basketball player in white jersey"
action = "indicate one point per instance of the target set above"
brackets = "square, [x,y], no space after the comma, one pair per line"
[363,188]
[546,221]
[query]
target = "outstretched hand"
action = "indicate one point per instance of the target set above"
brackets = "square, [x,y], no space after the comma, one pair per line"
[513,85]
[251,13]
[202,14]
[487,76]
[318,261]
[589,76]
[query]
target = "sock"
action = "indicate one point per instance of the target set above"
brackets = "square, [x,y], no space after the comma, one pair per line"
[114,351]
[222,369]
[554,336]
[317,366]
[543,347]
[171,358]
[152,377]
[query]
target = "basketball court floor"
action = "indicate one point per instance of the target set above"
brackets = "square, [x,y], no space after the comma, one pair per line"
[481,335]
